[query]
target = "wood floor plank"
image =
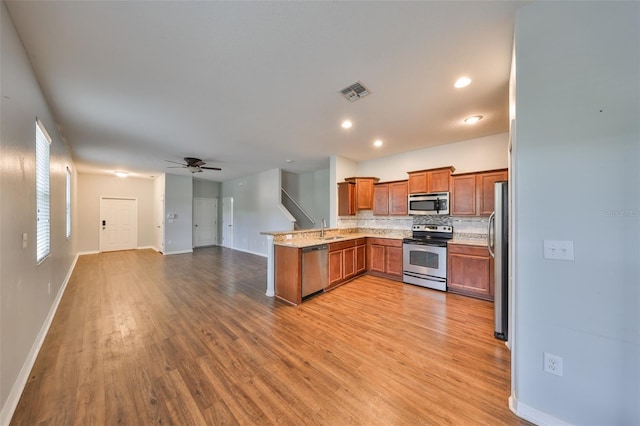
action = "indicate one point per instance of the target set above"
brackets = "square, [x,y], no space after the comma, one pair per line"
[141,338]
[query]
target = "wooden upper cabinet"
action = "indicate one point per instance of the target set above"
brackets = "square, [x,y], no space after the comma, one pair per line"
[398,198]
[472,194]
[417,182]
[381,199]
[346,199]
[486,186]
[390,198]
[463,195]
[432,180]
[363,191]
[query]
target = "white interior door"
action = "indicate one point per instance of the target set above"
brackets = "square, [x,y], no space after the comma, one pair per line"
[118,224]
[205,222]
[227,222]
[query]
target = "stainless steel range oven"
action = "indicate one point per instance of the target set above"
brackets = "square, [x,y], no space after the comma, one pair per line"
[424,256]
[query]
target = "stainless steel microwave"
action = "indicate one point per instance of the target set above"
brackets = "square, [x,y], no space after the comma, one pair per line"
[434,203]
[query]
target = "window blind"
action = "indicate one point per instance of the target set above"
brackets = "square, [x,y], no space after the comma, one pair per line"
[43,222]
[68,203]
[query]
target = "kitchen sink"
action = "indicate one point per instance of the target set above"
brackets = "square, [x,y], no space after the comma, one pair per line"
[337,237]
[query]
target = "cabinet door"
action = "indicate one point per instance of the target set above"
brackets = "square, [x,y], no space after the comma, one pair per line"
[288,274]
[364,194]
[418,183]
[393,261]
[376,258]
[463,195]
[361,259]
[439,181]
[381,199]
[349,262]
[346,199]
[470,271]
[486,188]
[398,198]
[336,268]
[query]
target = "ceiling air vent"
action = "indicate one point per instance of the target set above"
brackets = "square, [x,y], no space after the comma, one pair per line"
[355,91]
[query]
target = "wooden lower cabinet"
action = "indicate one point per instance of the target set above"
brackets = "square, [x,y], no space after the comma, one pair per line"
[470,271]
[385,257]
[288,274]
[345,261]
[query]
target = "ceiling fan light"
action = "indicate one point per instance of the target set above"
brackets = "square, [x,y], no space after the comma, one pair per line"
[194,169]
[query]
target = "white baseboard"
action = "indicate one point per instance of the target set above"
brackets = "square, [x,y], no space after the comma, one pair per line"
[534,416]
[248,251]
[166,253]
[82,253]
[21,381]
[148,248]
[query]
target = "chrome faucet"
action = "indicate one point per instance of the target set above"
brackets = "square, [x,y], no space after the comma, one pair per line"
[324,225]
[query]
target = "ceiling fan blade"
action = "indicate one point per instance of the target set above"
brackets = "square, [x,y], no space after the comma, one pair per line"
[210,168]
[175,162]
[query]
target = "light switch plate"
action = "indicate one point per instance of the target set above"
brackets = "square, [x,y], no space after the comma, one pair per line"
[558,250]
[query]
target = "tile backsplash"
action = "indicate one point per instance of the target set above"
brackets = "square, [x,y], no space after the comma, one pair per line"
[464,227]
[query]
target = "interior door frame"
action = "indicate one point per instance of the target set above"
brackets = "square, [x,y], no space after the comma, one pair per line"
[227,201]
[214,218]
[100,233]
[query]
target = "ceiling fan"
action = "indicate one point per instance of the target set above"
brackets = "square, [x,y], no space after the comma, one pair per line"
[194,165]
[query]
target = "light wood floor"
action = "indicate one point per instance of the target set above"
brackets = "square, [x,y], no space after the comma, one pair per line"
[141,338]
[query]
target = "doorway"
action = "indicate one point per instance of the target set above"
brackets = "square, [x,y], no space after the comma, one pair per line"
[227,222]
[118,224]
[205,222]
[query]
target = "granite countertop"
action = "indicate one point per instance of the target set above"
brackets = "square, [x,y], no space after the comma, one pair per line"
[469,242]
[302,239]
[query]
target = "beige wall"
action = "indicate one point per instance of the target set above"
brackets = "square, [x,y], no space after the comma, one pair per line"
[28,291]
[487,153]
[92,187]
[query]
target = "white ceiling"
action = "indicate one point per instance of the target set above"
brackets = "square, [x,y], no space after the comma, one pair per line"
[247,85]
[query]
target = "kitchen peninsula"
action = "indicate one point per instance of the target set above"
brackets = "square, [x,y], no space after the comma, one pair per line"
[349,253]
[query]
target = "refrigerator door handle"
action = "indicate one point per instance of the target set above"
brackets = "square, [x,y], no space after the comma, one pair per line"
[492,219]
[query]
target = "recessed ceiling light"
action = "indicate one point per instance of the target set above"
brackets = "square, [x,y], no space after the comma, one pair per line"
[462,82]
[122,174]
[289,161]
[377,143]
[473,119]
[346,124]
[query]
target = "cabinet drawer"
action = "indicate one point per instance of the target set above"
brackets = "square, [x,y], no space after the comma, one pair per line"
[342,245]
[385,242]
[470,250]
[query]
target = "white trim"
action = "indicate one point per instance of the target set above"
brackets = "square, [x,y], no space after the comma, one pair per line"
[270,267]
[248,251]
[177,252]
[533,415]
[23,376]
[82,253]
[146,247]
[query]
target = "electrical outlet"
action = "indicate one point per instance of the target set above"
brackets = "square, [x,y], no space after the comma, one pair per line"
[559,250]
[553,364]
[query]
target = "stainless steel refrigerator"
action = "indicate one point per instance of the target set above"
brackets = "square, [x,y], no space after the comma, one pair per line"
[498,244]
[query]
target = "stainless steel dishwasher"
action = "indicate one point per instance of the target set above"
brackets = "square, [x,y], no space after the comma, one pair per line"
[315,269]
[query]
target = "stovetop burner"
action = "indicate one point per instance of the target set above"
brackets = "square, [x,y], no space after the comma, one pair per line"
[430,234]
